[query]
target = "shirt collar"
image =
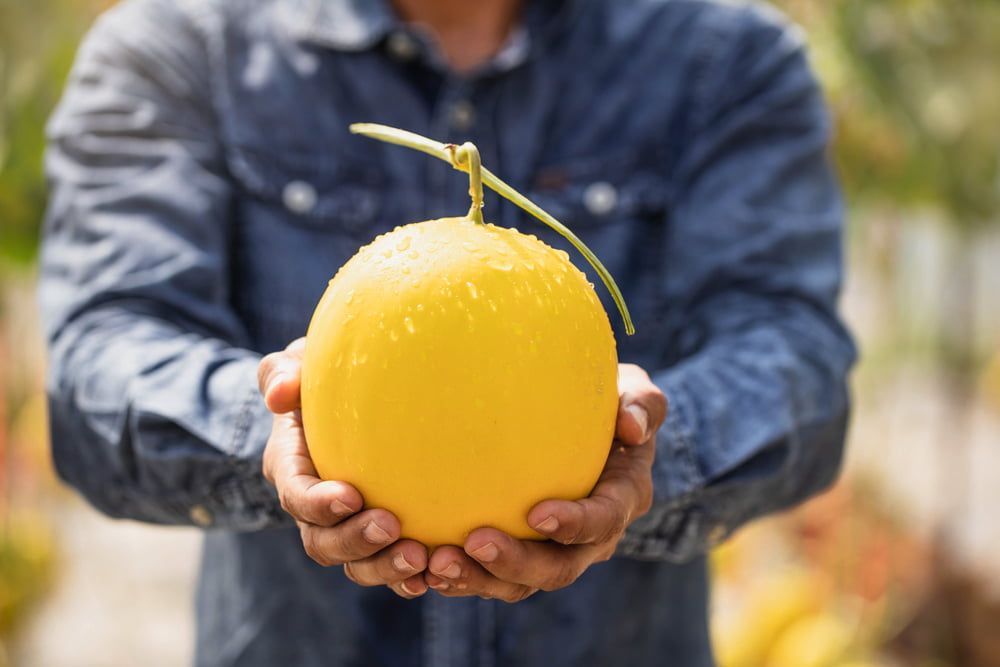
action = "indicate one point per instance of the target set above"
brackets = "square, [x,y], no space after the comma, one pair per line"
[358,25]
[344,25]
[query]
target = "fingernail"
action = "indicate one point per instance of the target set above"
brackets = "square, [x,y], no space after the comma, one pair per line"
[550,525]
[375,534]
[401,564]
[641,417]
[486,553]
[277,379]
[407,589]
[453,571]
[437,584]
[340,508]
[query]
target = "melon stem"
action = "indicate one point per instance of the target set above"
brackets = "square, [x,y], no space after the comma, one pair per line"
[461,159]
[468,155]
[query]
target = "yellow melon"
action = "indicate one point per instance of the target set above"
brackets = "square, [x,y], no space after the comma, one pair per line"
[457,373]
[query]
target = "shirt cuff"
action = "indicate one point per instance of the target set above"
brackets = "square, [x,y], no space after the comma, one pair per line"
[678,527]
[244,500]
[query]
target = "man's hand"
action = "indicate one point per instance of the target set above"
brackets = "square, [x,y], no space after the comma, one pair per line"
[334,530]
[583,532]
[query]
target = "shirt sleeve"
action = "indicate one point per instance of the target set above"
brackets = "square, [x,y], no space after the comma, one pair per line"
[758,357]
[153,402]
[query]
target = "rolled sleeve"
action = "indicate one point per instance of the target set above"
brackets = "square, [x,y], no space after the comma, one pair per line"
[757,364]
[154,409]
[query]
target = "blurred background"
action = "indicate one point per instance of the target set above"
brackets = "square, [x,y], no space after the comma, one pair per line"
[897,565]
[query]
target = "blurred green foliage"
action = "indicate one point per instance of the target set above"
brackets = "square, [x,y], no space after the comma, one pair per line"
[37,41]
[913,84]
[915,88]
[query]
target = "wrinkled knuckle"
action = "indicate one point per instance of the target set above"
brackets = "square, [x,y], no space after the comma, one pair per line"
[576,536]
[512,596]
[266,369]
[263,370]
[311,545]
[285,501]
[619,522]
[522,594]
[565,575]
[350,573]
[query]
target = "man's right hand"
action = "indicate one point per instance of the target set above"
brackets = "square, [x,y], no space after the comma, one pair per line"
[334,529]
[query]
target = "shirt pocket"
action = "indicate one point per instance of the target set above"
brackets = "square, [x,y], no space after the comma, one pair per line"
[319,191]
[592,192]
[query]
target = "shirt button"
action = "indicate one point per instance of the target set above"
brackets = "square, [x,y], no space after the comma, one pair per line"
[200,516]
[462,115]
[600,198]
[299,197]
[401,46]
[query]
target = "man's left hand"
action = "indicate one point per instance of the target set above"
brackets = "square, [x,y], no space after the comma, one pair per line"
[492,564]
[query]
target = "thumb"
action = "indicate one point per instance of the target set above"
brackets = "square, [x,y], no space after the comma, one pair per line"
[642,407]
[278,377]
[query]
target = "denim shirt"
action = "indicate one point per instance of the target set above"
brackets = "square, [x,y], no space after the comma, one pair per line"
[204,188]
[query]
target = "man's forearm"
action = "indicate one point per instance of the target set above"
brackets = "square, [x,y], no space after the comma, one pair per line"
[756,424]
[155,424]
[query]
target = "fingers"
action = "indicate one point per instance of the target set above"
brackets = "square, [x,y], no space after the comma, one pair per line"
[300,490]
[410,588]
[593,520]
[543,565]
[356,538]
[392,565]
[321,503]
[278,377]
[622,493]
[451,572]
[642,407]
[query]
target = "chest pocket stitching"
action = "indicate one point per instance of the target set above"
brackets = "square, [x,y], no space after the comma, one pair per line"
[638,190]
[347,190]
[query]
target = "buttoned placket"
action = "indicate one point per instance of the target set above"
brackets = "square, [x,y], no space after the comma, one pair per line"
[454,627]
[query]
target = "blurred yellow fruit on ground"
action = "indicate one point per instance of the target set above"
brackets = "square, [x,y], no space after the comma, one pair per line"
[819,640]
[773,605]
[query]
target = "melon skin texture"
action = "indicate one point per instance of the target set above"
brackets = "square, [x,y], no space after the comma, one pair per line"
[457,374]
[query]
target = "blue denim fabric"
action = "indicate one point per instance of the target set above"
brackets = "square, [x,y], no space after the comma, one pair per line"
[205,188]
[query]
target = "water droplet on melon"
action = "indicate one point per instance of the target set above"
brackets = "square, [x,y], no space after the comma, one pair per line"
[403,244]
[349,297]
[408,323]
[499,264]
[473,292]
[393,335]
